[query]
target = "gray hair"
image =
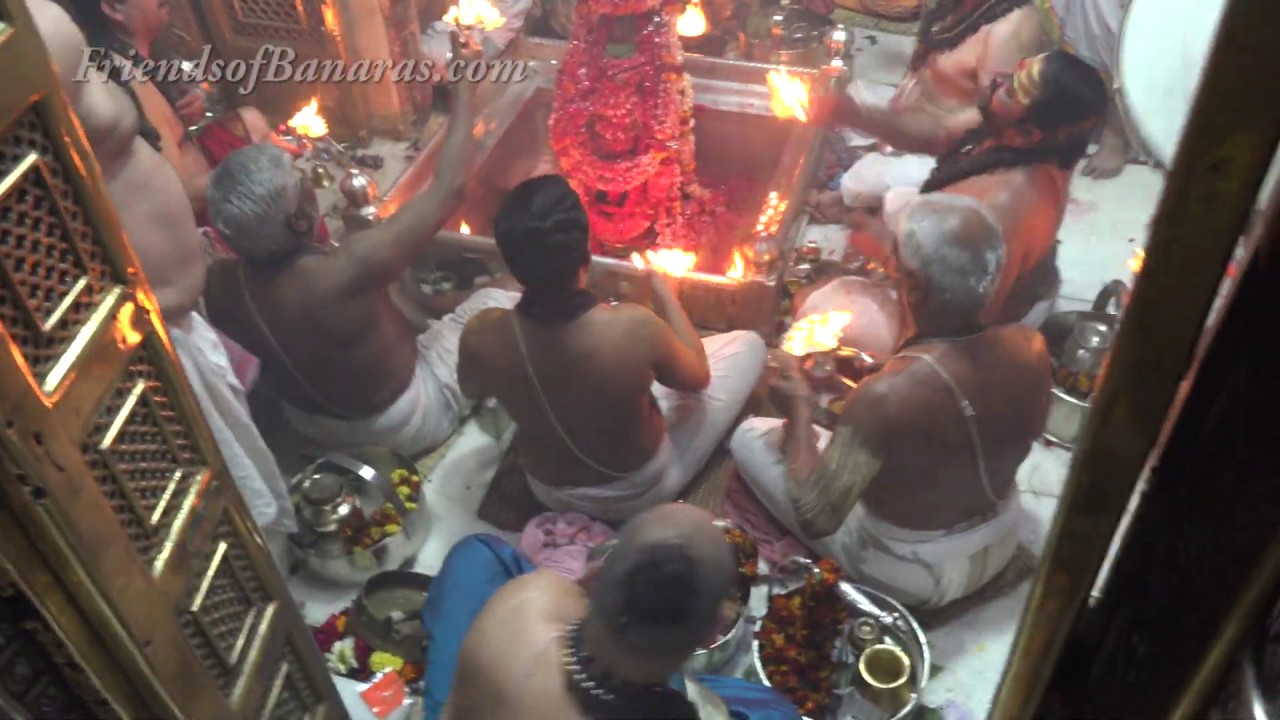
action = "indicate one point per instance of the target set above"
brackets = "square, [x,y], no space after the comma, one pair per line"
[252,194]
[957,248]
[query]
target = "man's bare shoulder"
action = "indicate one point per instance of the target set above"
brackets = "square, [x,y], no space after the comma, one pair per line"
[542,595]
[61,36]
[1022,344]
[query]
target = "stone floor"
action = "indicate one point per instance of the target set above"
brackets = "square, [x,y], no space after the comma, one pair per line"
[1105,222]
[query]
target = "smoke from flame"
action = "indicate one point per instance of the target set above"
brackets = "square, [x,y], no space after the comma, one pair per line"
[819,332]
[475,14]
[692,22]
[1137,260]
[788,95]
[668,261]
[308,122]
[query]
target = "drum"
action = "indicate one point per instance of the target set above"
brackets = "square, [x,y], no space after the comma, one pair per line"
[1164,45]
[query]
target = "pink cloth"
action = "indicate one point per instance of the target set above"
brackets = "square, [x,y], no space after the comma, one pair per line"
[561,541]
[743,507]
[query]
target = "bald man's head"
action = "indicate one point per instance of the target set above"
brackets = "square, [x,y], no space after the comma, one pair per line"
[659,592]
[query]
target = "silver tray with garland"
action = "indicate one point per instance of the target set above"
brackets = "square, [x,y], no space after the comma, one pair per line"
[899,629]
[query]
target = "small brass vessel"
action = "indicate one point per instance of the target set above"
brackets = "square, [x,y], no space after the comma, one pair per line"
[885,672]
[320,176]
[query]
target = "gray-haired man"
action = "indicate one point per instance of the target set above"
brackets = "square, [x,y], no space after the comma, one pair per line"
[914,491]
[351,366]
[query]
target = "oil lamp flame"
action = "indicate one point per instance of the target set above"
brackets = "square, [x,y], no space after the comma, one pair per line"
[771,215]
[478,14]
[819,332]
[692,22]
[464,228]
[737,267]
[667,261]
[788,95]
[308,122]
[1137,260]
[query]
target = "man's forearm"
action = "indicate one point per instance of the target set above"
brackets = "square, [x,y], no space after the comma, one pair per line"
[800,443]
[911,129]
[667,306]
[406,234]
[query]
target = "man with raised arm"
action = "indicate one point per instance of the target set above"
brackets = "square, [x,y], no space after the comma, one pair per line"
[352,369]
[161,229]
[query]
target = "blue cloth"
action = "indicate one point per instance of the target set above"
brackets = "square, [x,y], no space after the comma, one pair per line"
[474,570]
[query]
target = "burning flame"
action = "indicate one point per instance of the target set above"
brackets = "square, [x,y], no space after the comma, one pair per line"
[464,228]
[475,14]
[819,332]
[771,216]
[330,15]
[737,267]
[788,95]
[1137,260]
[692,22]
[668,261]
[308,121]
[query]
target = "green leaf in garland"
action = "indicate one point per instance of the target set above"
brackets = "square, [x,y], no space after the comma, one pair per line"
[620,50]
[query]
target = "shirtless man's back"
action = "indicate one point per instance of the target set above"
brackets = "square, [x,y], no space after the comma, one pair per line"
[148,194]
[930,479]
[510,665]
[596,374]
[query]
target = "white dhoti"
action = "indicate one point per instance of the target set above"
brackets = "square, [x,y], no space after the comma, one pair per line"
[430,408]
[696,423]
[916,568]
[874,175]
[226,411]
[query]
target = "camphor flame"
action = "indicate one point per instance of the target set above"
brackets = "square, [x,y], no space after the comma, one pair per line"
[788,95]
[464,228]
[819,332]
[479,14]
[667,261]
[308,122]
[737,267]
[692,22]
[1137,260]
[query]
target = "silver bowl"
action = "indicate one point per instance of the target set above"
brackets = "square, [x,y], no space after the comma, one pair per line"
[899,628]
[388,613]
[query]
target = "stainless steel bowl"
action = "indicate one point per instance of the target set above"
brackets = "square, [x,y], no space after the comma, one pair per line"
[388,613]
[1066,419]
[899,627]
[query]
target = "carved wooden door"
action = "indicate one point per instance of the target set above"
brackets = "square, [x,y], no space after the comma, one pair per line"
[128,560]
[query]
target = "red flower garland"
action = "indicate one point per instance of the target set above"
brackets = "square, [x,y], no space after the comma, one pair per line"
[797,637]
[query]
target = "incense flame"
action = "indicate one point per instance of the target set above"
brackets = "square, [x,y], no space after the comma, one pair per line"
[788,95]
[1137,260]
[308,122]
[771,216]
[464,228]
[692,22]
[475,14]
[737,267]
[819,332]
[667,261]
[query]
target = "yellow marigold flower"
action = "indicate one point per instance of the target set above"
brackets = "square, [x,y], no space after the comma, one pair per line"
[410,506]
[398,475]
[391,530]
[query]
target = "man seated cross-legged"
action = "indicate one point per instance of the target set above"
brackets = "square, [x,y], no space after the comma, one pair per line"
[509,641]
[617,407]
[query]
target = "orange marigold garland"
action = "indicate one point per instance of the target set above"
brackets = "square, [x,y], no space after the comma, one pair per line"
[797,638]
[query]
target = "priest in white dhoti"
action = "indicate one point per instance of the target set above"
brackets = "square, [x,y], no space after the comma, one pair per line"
[914,492]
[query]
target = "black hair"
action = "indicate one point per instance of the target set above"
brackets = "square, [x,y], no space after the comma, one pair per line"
[1071,104]
[542,232]
[655,602]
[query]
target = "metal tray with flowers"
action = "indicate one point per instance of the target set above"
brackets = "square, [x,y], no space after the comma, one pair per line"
[878,654]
